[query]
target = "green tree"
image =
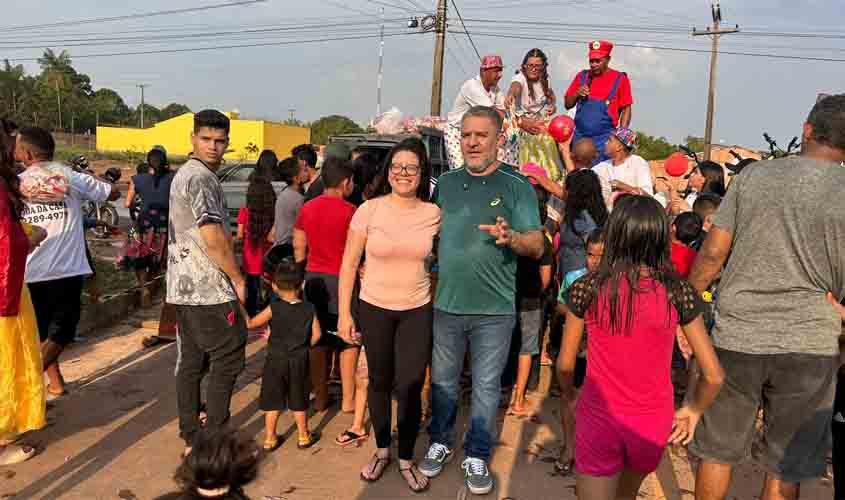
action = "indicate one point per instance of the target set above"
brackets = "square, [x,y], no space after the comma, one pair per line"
[653,148]
[694,143]
[111,107]
[172,110]
[331,125]
[34,99]
[12,89]
[152,115]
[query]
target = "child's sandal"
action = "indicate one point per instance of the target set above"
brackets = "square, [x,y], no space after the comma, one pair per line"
[308,441]
[271,444]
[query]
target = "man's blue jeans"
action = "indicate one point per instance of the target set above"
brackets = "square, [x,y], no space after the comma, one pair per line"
[489,338]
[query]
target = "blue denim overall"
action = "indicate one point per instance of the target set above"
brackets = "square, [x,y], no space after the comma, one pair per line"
[592,118]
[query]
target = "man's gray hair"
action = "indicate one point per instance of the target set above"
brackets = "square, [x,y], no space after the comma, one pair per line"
[828,121]
[484,112]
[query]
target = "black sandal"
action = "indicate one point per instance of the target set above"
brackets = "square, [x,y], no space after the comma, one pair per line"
[348,437]
[386,461]
[416,479]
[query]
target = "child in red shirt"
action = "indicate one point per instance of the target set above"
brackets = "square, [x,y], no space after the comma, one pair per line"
[685,230]
[632,305]
[319,238]
[255,220]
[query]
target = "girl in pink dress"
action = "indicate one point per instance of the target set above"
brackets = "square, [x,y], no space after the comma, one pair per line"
[632,306]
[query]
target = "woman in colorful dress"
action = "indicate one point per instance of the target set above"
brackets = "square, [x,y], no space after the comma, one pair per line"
[148,239]
[531,100]
[22,399]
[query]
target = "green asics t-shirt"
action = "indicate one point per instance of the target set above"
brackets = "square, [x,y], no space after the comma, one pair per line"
[475,276]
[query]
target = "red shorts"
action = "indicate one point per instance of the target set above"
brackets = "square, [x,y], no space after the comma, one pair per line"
[606,444]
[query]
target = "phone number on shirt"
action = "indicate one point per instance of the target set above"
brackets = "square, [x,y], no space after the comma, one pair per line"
[48,217]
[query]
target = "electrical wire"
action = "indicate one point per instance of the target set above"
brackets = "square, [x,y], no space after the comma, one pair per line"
[414,10]
[221,47]
[457,11]
[464,49]
[456,60]
[122,39]
[351,9]
[655,47]
[239,3]
[417,6]
[188,28]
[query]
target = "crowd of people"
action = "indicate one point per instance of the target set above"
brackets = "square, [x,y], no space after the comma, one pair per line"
[672,314]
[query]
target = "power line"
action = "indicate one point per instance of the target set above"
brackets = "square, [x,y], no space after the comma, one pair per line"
[188,28]
[417,6]
[626,27]
[656,47]
[221,47]
[456,53]
[351,9]
[465,29]
[130,16]
[464,50]
[191,36]
[456,60]
[662,29]
[394,6]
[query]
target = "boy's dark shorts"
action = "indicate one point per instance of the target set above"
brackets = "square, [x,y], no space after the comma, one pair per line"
[796,394]
[57,304]
[285,382]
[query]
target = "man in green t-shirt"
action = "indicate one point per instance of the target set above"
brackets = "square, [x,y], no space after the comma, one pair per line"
[489,219]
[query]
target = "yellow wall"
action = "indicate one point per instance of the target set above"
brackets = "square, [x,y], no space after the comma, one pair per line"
[282,138]
[175,136]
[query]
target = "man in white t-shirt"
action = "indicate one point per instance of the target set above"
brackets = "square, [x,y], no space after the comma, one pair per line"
[624,172]
[55,270]
[482,90]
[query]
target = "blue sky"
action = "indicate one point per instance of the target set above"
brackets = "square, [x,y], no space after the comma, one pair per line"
[753,94]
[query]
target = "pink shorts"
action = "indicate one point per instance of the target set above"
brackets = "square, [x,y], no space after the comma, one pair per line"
[606,444]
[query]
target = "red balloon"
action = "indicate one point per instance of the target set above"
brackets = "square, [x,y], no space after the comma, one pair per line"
[561,128]
[676,165]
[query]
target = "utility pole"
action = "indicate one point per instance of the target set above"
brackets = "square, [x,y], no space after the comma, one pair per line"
[142,86]
[59,99]
[715,32]
[380,65]
[439,47]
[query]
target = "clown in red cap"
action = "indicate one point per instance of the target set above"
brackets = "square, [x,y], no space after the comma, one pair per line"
[601,96]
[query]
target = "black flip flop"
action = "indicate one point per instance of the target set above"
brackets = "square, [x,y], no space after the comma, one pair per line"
[155,340]
[351,438]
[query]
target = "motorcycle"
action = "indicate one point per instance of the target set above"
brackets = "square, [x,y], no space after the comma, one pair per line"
[776,152]
[104,213]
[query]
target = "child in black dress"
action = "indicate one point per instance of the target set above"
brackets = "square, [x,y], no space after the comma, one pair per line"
[294,328]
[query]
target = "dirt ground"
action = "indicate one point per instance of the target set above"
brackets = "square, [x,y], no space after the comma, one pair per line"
[115,436]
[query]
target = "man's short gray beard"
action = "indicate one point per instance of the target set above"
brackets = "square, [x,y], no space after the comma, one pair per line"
[483,167]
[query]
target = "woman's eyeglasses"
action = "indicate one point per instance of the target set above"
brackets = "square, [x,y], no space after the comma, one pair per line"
[411,170]
[535,66]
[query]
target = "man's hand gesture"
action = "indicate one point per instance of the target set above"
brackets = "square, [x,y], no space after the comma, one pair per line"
[501,230]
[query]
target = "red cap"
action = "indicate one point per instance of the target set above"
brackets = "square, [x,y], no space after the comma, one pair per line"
[600,49]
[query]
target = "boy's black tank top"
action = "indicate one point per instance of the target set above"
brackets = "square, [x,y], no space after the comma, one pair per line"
[290,327]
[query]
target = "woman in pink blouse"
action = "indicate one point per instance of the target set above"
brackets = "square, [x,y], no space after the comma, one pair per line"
[395,231]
